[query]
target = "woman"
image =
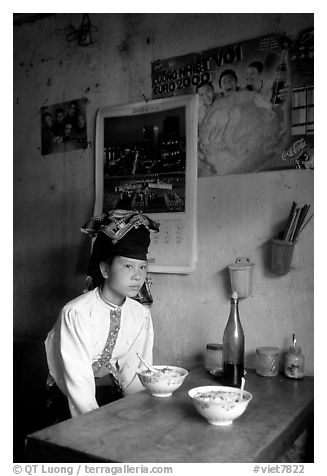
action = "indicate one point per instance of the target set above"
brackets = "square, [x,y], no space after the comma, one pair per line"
[91,350]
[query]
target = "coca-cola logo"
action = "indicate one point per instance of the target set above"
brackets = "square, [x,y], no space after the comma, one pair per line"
[295,150]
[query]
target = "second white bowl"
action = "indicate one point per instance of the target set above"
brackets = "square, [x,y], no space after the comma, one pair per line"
[219,405]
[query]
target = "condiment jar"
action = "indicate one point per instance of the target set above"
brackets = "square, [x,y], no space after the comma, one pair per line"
[214,358]
[267,361]
[294,363]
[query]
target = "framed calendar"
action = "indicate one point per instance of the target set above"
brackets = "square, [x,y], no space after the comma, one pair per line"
[146,160]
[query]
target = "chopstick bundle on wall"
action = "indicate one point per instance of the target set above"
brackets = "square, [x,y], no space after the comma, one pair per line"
[290,221]
[294,225]
[295,221]
[303,214]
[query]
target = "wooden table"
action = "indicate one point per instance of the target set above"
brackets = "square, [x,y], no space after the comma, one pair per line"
[142,428]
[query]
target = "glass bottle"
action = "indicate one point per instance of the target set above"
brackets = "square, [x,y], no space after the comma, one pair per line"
[281,78]
[294,363]
[233,347]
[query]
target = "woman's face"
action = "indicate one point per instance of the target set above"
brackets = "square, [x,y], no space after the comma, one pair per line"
[124,277]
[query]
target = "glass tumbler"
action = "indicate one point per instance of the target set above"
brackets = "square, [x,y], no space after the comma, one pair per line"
[267,361]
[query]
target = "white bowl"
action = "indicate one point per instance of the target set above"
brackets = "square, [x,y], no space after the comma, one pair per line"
[162,383]
[218,404]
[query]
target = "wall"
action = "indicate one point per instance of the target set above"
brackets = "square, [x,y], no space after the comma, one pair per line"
[237,215]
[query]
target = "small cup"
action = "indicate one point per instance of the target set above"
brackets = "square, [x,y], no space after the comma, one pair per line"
[281,256]
[267,361]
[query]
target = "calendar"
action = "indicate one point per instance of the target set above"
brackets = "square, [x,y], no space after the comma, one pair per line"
[146,160]
[171,249]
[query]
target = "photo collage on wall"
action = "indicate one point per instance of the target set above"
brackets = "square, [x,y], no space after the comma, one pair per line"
[63,127]
[255,103]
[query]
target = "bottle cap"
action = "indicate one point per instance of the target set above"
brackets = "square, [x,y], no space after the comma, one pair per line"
[235,295]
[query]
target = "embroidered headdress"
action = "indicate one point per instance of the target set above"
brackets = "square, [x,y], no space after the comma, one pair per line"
[118,233]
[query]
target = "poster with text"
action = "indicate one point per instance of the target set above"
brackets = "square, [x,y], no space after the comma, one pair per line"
[255,103]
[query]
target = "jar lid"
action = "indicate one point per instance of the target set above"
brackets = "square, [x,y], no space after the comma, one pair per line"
[268,350]
[213,346]
[241,264]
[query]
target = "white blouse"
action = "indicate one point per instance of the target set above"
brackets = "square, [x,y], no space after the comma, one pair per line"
[78,339]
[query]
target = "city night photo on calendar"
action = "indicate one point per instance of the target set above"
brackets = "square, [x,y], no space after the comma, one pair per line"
[144,162]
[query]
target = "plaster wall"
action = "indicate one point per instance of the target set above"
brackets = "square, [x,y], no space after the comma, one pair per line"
[237,214]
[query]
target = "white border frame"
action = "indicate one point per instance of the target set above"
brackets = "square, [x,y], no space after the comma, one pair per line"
[189,217]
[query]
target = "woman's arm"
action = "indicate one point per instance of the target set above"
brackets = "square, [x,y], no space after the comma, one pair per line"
[70,362]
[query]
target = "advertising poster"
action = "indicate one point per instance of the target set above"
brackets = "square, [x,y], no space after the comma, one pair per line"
[255,103]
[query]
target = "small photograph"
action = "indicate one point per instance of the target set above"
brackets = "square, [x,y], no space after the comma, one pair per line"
[63,127]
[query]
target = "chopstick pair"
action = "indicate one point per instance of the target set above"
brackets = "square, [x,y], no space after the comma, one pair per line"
[295,221]
[305,224]
[301,217]
[290,222]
